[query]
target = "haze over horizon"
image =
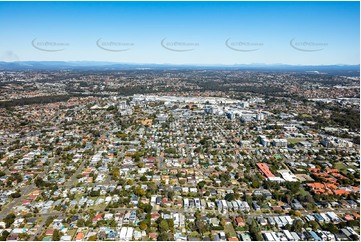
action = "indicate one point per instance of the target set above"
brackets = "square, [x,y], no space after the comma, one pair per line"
[182,33]
[99,63]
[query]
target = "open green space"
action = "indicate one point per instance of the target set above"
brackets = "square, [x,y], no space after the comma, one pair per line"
[228,229]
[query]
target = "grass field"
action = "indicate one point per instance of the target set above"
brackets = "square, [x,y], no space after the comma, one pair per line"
[228,229]
[295,140]
[71,232]
[340,166]
[302,192]
[305,115]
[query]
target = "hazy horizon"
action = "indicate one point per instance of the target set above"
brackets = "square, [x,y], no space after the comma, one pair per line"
[97,62]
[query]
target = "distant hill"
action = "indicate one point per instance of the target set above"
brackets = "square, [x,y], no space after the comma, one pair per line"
[349,70]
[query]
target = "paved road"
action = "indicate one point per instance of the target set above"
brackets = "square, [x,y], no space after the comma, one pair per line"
[44,217]
[119,157]
[40,228]
[25,191]
[69,183]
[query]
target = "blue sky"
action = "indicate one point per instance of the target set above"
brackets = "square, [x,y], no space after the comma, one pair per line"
[306,33]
